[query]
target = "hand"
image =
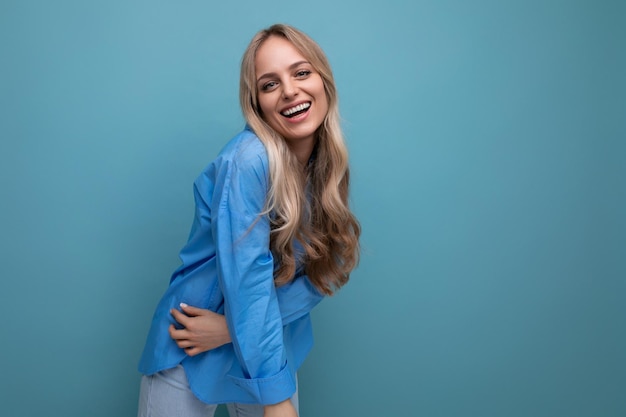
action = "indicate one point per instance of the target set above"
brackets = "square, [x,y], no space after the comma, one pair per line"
[284,409]
[203,329]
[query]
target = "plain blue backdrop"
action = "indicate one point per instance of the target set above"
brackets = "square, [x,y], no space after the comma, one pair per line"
[487,143]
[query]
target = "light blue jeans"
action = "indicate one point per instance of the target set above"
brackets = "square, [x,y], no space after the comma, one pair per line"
[167,394]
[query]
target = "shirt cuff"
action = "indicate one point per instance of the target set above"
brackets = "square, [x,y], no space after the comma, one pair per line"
[272,390]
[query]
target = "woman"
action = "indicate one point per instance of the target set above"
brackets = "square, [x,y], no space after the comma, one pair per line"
[272,235]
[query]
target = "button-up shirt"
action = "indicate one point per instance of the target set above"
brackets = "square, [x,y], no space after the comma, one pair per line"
[227,267]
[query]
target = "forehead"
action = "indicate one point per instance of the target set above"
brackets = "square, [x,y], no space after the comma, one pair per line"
[276,54]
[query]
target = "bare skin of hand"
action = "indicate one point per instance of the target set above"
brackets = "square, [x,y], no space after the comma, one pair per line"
[203,330]
[284,409]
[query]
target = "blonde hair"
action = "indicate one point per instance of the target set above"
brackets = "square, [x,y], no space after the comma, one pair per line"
[309,206]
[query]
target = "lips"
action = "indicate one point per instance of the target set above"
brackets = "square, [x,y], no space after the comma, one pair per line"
[296,110]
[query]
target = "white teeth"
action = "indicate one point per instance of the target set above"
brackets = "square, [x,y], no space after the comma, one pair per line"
[295,109]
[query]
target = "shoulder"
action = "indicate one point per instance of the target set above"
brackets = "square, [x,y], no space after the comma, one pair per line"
[244,157]
[245,150]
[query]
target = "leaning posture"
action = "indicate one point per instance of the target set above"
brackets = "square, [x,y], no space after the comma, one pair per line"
[272,235]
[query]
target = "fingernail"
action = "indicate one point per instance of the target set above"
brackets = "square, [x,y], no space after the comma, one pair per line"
[183,305]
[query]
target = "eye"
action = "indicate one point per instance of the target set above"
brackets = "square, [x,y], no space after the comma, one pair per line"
[268,85]
[303,73]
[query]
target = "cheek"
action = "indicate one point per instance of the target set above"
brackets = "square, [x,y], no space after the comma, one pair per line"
[324,99]
[321,92]
[265,108]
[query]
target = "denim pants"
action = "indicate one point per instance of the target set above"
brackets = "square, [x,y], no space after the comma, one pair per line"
[167,394]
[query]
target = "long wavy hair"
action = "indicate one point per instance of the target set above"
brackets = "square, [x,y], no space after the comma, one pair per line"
[308,205]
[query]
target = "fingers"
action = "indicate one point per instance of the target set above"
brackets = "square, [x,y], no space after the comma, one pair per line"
[198,325]
[193,351]
[180,317]
[192,311]
[185,344]
[182,341]
[180,337]
[178,334]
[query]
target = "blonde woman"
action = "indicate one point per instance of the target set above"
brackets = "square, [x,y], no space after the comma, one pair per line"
[272,235]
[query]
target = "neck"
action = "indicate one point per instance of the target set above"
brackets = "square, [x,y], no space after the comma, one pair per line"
[303,149]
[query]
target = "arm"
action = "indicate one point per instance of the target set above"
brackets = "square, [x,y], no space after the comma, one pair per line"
[297,299]
[282,409]
[204,330]
[245,270]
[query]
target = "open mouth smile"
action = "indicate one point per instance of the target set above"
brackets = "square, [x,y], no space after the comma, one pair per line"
[296,110]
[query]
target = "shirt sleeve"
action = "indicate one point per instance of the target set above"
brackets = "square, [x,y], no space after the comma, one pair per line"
[246,276]
[297,298]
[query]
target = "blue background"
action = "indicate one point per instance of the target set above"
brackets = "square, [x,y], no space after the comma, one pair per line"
[488,149]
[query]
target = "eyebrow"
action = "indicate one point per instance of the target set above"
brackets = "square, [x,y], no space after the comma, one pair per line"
[273,74]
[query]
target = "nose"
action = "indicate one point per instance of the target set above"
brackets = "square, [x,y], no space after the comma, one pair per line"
[289,89]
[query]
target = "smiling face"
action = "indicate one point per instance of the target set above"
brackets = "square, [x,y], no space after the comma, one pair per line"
[290,94]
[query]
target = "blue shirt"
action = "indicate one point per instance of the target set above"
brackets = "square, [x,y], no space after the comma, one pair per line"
[227,267]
